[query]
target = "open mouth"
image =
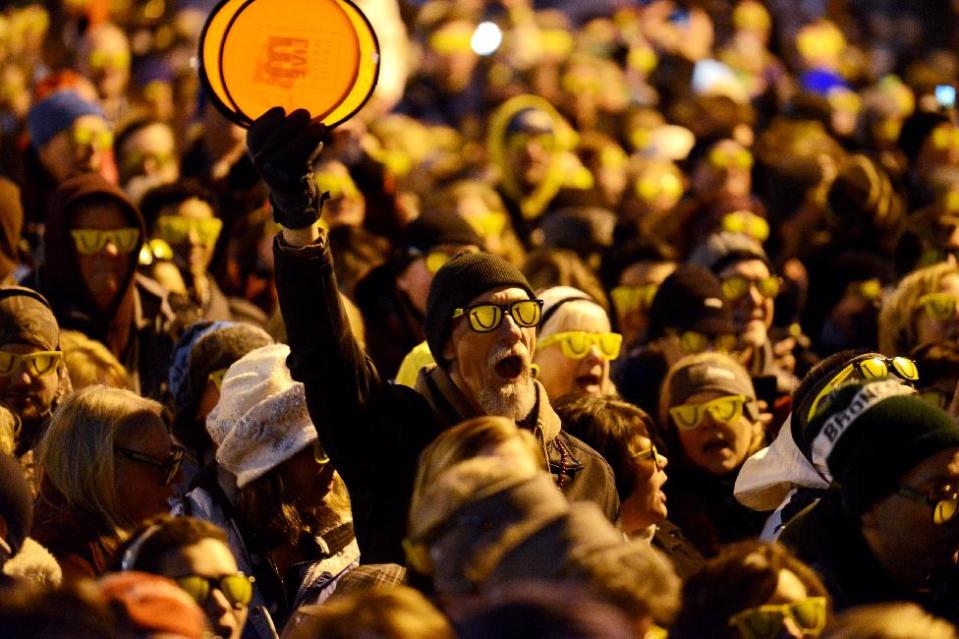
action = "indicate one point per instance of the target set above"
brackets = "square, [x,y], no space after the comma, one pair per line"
[715,446]
[509,367]
[589,382]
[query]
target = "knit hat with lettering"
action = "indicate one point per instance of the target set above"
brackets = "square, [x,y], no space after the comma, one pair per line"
[872,434]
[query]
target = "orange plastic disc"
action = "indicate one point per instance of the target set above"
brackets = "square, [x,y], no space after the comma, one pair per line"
[289,53]
[369,67]
[211,38]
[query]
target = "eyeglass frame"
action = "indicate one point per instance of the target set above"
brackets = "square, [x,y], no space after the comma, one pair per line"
[20,362]
[933,502]
[844,374]
[504,309]
[216,583]
[171,465]
[787,610]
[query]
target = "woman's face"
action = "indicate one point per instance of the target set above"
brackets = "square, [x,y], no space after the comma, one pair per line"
[561,375]
[646,505]
[307,478]
[930,329]
[142,490]
[716,446]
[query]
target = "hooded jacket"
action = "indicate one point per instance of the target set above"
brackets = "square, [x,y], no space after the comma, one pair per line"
[136,326]
[374,431]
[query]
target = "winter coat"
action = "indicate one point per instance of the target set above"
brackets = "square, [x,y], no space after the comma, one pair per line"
[269,609]
[137,326]
[81,545]
[825,538]
[374,431]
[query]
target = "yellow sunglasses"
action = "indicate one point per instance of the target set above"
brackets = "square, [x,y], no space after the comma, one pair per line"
[649,454]
[873,368]
[944,502]
[738,286]
[766,622]
[695,342]
[628,299]
[177,229]
[721,159]
[869,290]
[36,363]
[941,306]
[650,188]
[722,409]
[490,224]
[945,137]
[578,344]
[747,223]
[92,241]
[103,60]
[100,140]
[484,318]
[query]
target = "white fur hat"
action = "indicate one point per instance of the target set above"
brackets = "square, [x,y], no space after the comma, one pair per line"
[261,419]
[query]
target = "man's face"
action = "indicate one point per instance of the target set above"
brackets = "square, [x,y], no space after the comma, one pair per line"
[639,282]
[80,148]
[191,229]
[493,369]
[901,532]
[150,152]
[752,312]
[105,59]
[28,394]
[209,558]
[417,277]
[725,171]
[529,156]
[105,271]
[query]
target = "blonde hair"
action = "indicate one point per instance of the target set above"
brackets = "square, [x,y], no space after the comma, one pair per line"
[889,621]
[385,612]
[465,441]
[89,362]
[897,325]
[76,453]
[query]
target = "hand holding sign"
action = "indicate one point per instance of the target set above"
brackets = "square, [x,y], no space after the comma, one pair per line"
[283,148]
[317,55]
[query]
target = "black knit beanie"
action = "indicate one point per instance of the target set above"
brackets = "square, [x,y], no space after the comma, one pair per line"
[462,279]
[872,434]
[16,502]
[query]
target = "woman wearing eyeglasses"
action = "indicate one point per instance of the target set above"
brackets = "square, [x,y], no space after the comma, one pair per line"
[575,344]
[107,463]
[710,424]
[622,434]
[753,590]
[921,310]
[197,556]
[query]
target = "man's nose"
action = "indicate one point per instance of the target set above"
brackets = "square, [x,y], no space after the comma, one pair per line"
[509,328]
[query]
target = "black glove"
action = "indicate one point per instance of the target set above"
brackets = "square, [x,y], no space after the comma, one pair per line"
[282,148]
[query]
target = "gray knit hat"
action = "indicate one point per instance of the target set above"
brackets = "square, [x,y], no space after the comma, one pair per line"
[462,279]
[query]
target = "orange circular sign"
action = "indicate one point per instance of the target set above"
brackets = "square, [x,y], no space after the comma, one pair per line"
[319,55]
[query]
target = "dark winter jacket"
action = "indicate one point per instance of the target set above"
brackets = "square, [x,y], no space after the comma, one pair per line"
[374,431]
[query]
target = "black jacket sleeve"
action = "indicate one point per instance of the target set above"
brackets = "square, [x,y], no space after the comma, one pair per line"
[372,430]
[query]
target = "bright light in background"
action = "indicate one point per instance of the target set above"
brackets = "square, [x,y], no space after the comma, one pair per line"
[486,38]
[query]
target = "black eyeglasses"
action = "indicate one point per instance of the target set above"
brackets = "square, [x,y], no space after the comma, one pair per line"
[943,502]
[170,465]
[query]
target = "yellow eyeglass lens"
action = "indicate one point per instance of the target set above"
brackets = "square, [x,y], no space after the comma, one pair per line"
[737,286]
[940,306]
[485,317]
[723,409]
[527,313]
[578,344]
[436,260]
[92,241]
[945,511]
[631,298]
[197,587]
[38,363]
[176,229]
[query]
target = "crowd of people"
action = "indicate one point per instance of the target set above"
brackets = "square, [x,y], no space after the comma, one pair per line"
[601,319]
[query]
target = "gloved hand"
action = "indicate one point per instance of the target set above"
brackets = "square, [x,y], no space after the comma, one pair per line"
[282,148]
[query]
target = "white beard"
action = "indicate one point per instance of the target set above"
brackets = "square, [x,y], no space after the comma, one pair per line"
[515,400]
